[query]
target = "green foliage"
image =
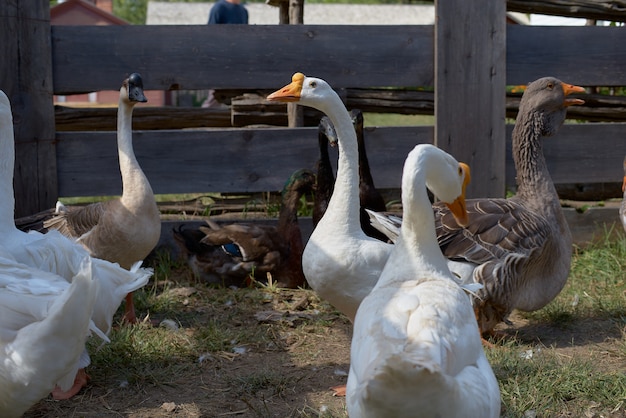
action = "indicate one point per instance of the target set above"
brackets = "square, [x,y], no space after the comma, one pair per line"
[134,11]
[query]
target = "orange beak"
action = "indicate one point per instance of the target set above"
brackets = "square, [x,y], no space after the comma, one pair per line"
[289,93]
[458,208]
[569,89]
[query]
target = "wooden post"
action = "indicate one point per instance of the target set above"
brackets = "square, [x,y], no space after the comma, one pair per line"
[295,113]
[26,78]
[470,89]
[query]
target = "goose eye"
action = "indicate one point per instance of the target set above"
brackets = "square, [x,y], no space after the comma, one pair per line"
[550,86]
[460,171]
[313,84]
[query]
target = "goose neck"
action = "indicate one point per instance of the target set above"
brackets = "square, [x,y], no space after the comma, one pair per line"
[124,135]
[417,233]
[533,177]
[344,203]
[133,179]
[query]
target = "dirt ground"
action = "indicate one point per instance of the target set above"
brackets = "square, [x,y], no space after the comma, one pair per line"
[303,351]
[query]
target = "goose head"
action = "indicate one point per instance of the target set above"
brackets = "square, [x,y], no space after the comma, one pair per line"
[308,91]
[446,178]
[133,88]
[547,97]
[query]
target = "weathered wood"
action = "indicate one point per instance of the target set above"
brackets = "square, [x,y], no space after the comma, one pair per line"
[201,56]
[398,56]
[538,51]
[470,85]
[613,10]
[144,118]
[252,109]
[26,78]
[218,160]
[247,161]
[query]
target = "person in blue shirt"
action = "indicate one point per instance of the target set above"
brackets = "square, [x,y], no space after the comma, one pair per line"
[228,11]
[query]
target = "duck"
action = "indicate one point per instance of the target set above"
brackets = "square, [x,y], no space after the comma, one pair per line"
[369,197]
[416,348]
[232,253]
[56,254]
[340,262]
[44,323]
[122,230]
[209,264]
[325,178]
[622,207]
[519,248]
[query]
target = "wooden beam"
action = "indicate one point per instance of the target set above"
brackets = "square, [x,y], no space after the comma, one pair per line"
[533,52]
[259,160]
[470,88]
[612,11]
[201,56]
[26,78]
[219,160]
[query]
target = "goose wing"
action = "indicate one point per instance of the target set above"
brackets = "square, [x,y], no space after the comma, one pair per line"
[497,228]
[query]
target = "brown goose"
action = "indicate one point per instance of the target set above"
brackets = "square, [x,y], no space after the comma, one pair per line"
[519,248]
[126,229]
[229,254]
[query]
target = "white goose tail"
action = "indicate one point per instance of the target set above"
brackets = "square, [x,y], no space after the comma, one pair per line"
[47,352]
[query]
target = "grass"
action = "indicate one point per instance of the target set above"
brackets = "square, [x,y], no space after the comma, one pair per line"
[538,377]
[596,285]
[541,382]
[393,119]
[589,380]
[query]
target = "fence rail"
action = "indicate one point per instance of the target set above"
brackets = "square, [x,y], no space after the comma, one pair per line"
[469,58]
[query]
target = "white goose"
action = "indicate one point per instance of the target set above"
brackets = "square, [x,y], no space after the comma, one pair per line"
[416,349]
[54,253]
[518,248]
[44,322]
[126,229]
[340,262]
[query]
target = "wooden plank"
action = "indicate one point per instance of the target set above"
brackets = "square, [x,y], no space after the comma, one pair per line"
[221,160]
[144,117]
[470,85]
[26,78]
[252,109]
[240,160]
[583,55]
[91,58]
[612,11]
[395,56]
[580,153]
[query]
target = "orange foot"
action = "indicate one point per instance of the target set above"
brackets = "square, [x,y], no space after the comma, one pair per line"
[129,311]
[79,382]
[339,390]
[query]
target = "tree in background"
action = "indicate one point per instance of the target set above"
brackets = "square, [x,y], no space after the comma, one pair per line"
[134,11]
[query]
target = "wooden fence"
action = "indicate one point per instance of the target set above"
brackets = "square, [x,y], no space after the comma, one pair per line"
[469,57]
